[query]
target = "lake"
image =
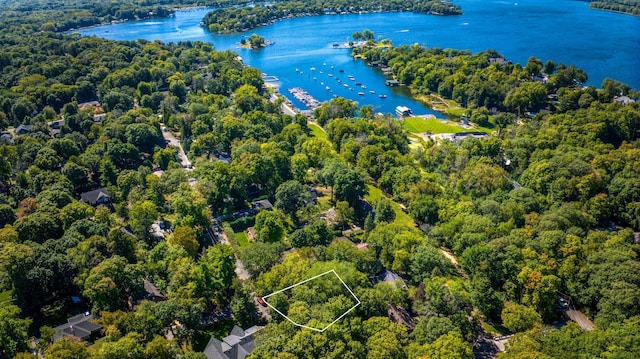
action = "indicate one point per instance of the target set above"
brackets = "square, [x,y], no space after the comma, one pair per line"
[604,44]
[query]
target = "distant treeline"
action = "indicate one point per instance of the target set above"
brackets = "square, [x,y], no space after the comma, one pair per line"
[236,20]
[63,15]
[626,6]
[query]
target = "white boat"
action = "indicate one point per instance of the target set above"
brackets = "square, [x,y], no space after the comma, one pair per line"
[372,92]
[360,93]
[312,69]
[382,96]
[328,88]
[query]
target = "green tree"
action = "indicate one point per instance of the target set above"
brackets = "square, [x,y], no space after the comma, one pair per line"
[260,257]
[349,186]
[425,260]
[142,216]
[67,347]
[7,215]
[450,345]
[111,283]
[502,120]
[384,210]
[14,334]
[186,238]
[431,328]
[270,226]
[291,196]
[160,348]
[518,318]
[127,347]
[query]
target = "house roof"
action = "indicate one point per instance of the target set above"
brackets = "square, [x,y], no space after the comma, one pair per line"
[80,326]
[623,99]
[237,345]
[152,290]
[23,128]
[94,196]
[389,277]
[262,204]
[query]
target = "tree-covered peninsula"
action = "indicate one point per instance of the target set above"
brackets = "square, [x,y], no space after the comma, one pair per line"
[226,20]
[625,6]
[155,190]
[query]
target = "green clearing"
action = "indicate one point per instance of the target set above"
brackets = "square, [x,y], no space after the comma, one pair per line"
[401,217]
[317,131]
[421,125]
[243,240]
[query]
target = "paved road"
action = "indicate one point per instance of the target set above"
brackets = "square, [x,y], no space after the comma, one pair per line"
[173,141]
[579,318]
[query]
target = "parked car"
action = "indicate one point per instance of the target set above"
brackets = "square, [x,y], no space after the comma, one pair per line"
[261,301]
[563,303]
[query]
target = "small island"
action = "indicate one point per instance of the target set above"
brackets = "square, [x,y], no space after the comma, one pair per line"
[254,41]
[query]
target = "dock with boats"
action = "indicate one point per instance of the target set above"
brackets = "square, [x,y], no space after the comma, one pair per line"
[303,96]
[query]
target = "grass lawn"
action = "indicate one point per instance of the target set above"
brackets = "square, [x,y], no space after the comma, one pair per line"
[242,239]
[401,217]
[420,125]
[5,296]
[317,131]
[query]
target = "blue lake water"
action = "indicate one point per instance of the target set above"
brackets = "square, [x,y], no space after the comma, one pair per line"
[604,44]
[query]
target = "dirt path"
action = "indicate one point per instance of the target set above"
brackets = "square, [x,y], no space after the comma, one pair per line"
[447,253]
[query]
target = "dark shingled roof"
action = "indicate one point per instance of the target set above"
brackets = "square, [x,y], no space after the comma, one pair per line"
[80,326]
[237,345]
[95,196]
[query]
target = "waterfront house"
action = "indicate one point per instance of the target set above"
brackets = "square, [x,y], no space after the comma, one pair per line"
[464,135]
[625,100]
[498,60]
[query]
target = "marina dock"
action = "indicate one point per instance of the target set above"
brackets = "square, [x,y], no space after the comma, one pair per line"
[303,96]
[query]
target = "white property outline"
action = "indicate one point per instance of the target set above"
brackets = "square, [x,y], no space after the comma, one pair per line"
[307,280]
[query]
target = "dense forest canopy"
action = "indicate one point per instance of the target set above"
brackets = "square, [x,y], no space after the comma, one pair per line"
[485,236]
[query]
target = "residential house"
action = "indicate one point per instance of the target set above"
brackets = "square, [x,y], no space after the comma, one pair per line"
[262,204]
[498,60]
[389,277]
[96,197]
[152,292]
[237,345]
[6,138]
[625,100]
[80,326]
[463,135]
[23,129]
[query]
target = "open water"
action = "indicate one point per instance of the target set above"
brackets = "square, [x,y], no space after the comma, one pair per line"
[604,44]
